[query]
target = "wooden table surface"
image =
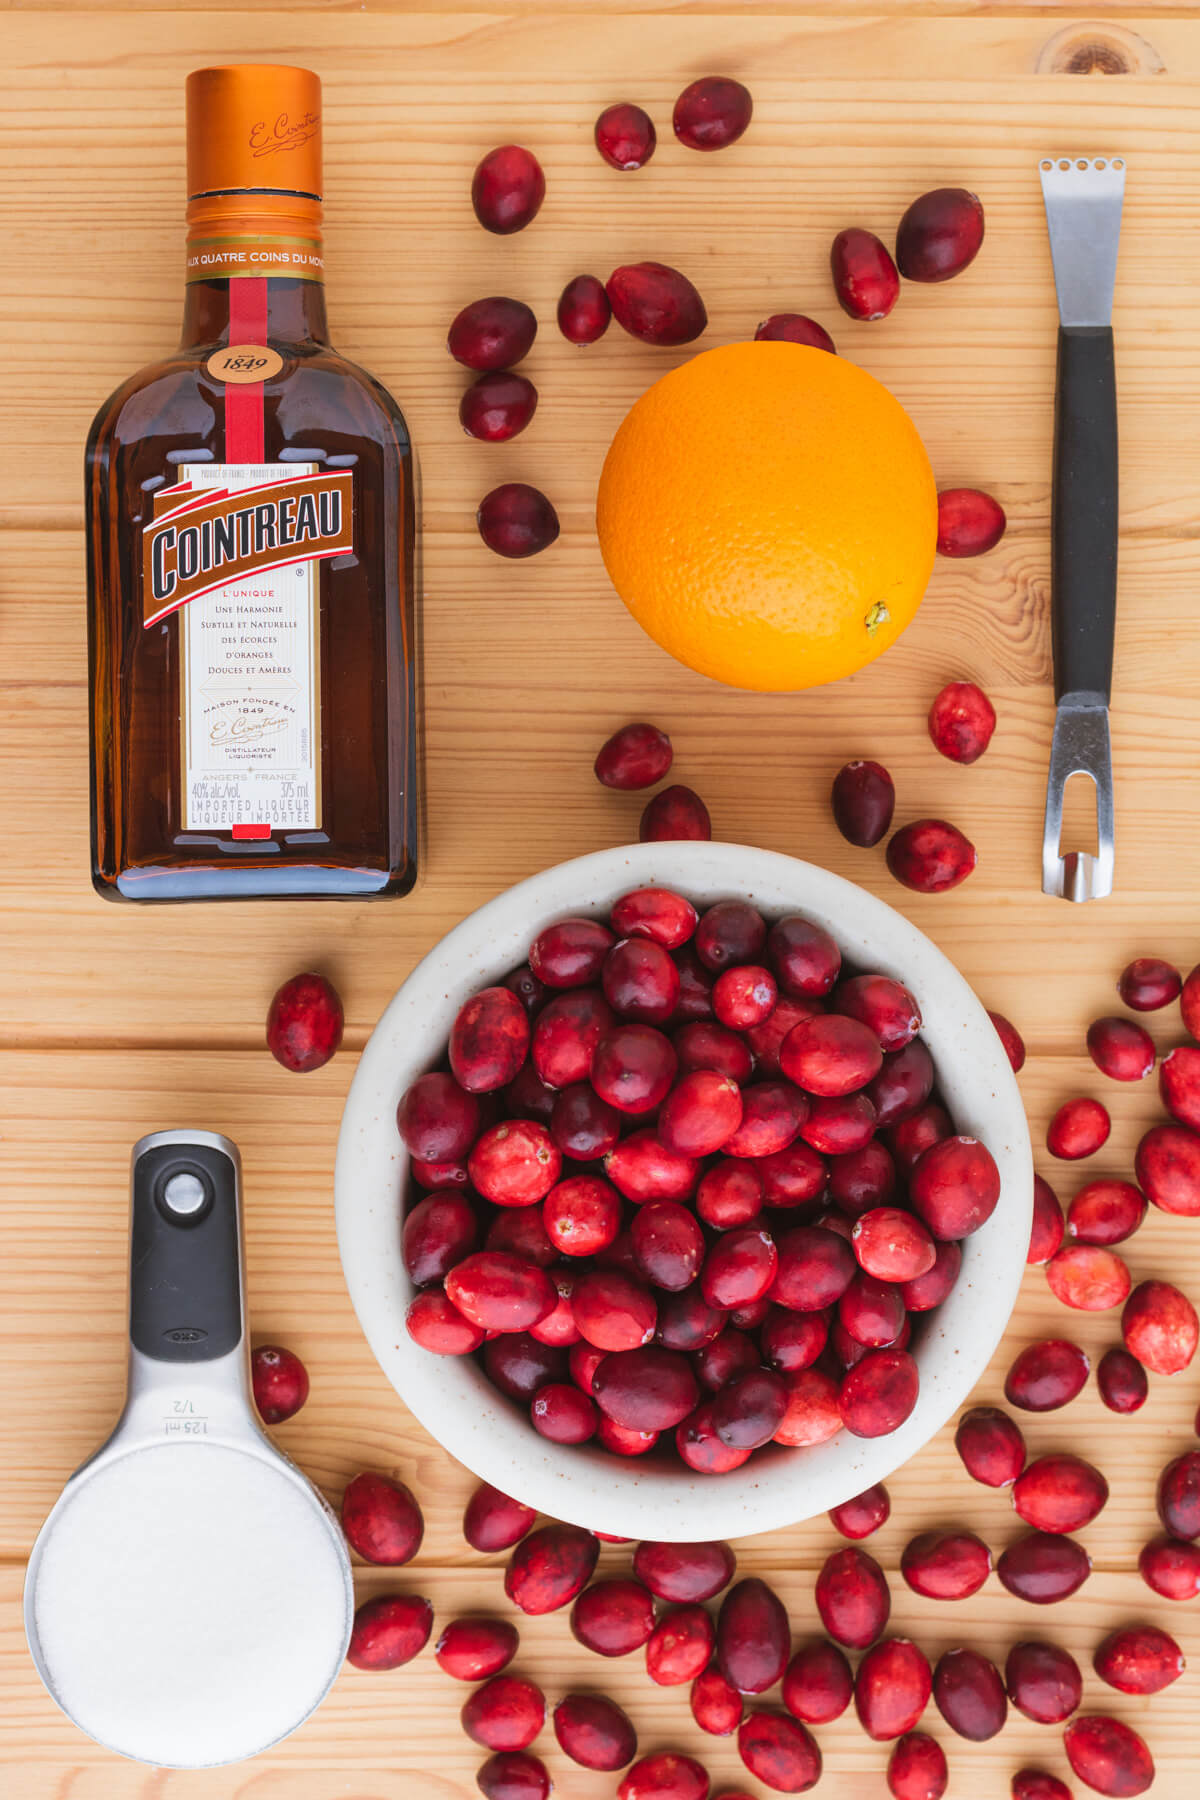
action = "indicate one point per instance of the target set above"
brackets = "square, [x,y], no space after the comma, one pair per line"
[116,1021]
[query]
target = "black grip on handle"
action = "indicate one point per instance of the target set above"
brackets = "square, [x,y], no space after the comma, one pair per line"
[1083,579]
[185,1288]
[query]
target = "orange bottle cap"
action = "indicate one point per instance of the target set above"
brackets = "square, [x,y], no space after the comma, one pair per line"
[253,126]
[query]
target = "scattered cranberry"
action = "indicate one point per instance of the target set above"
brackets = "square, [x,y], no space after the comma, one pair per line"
[549,1567]
[613,1617]
[1105,1212]
[917,1768]
[863,800]
[961,722]
[864,275]
[1179,1085]
[492,334]
[1059,1493]
[389,1631]
[795,328]
[780,1751]
[1049,1226]
[1079,1128]
[753,1637]
[497,406]
[863,1515]
[473,1649]
[991,1445]
[280,1383]
[930,856]
[1122,1381]
[625,136]
[1010,1037]
[818,1684]
[1148,983]
[665,1776]
[656,303]
[594,1731]
[304,1023]
[505,1713]
[674,813]
[717,1707]
[493,1521]
[939,235]
[583,310]
[1108,1755]
[853,1598]
[381,1519]
[970,523]
[949,1565]
[1045,1376]
[507,189]
[1139,1659]
[1171,1568]
[1088,1277]
[1043,1568]
[1160,1327]
[1043,1681]
[1167,1166]
[680,1646]
[636,756]
[516,520]
[970,1694]
[892,1688]
[1189,1003]
[684,1573]
[1036,1784]
[712,113]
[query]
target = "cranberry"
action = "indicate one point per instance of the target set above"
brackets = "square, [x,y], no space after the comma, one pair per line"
[701,1449]
[439,1174]
[389,1631]
[753,1637]
[1078,1129]
[521,1231]
[864,275]
[970,1694]
[853,1598]
[818,1684]
[1108,1755]
[625,136]
[558,1329]
[381,1519]
[489,1040]
[1139,1659]
[835,1127]
[705,1045]
[917,1768]
[506,1713]
[640,981]
[622,1440]
[594,1731]
[1044,1568]
[560,1413]
[473,1649]
[795,328]
[903,1084]
[571,953]
[969,524]
[665,1776]
[1010,1037]
[745,996]
[891,1245]
[1046,1375]
[675,813]
[644,1169]
[583,1126]
[1035,1784]
[687,1322]
[1122,1381]
[668,1244]
[613,1311]
[925,1292]
[499,1292]
[730,933]
[519,1365]
[438,1232]
[304,1023]
[780,1751]
[1148,983]
[527,1096]
[712,113]
[680,1646]
[507,189]
[862,1183]
[684,1572]
[497,406]
[955,1186]
[438,1326]
[549,1567]
[492,334]
[701,1113]
[1043,1682]
[892,1688]
[950,1565]
[1167,1166]
[792,1177]
[493,1521]
[939,235]
[871,1311]
[633,1067]
[613,1617]
[583,310]
[879,1393]
[1121,1049]
[772,1114]
[1171,1568]
[636,756]
[883,1005]
[831,1055]
[656,913]
[863,800]
[515,1163]
[910,1137]
[1178,1496]
[815,1267]
[1059,1493]
[739,1268]
[791,1341]
[961,722]
[695,988]
[805,958]
[717,1706]
[437,1120]
[1049,1226]
[731,1353]
[656,303]
[930,856]
[863,1515]
[750,1409]
[991,1445]
[814,1414]
[1189,1002]
[1179,1084]
[1105,1212]
[280,1383]
[1160,1327]
[516,520]
[1088,1277]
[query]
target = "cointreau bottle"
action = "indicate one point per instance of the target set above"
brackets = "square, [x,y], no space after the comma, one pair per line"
[251,535]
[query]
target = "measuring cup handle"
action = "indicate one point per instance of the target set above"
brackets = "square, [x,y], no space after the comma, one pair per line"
[185,1275]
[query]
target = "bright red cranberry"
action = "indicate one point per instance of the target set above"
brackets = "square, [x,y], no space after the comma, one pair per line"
[704,1045]
[1148,982]
[665,1776]
[961,722]
[497,406]
[885,1006]
[991,1445]
[684,1572]
[795,328]
[969,522]
[879,1393]
[492,334]
[1122,1381]
[792,1177]
[549,1567]
[955,1186]
[949,1565]
[780,1751]
[1043,1682]
[583,310]
[389,1630]
[558,1329]
[717,1707]
[633,1067]
[644,1169]
[437,1325]
[814,1414]
[744,997]
[1035,1784]
[700,1114]
[656,303]
[970,1694]
[912,1135]
[581,1215]
[507,189]
[1049,1226]
[1088,1277]
[570,953]
[668,1244]
[1105,1212]
[499,1292]
[381,1519]
[1139,1659]
[473,1649]
[1059,1493]
[1108,1755]
[636,756]
[280,1383]
[674,814]
[772,1114]
[516,520]
[1171,1568]
[664,917]
[930,856]
[815,1268]
[939,235]
[1167,1166]
[1121,1049]
[712,113]
[489,1040]
[1010,1037]
[594,1731]
[861,1516]
[917,1768]
[1044,1568]
[505,1713]
[790,1341]
[1160,1327]
[613,1311]
[892,1688]
[831,1055]
[891,1245]
[753,1637]
[640,981]
[304,1023]
[680,1646]
[625,136]
[739,1267]
[562,1414]
[818,1684]
[864,275]
[492,1521]
[863,800]
[872,1311]
[515,1163]
[613,1617]
[569,1029]
[1179,1084]
[438,1232]
[700,1448]
[1045,1376]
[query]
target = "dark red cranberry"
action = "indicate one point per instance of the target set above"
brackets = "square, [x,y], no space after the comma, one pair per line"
[675,813]
[497,406]
[492,334]
[1010,1037]
[584,313]
[863,800]
[636,756]
[864,275]
[507,189]
[795,328]
[280,1383]
[930,856]
[583,1126]
[969,522]
[939,235]
[655,303]
[516,520]
[625,136]
[304,1023]
[712,113]
[1148,982]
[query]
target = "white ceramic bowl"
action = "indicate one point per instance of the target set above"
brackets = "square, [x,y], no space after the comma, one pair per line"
[453,1398]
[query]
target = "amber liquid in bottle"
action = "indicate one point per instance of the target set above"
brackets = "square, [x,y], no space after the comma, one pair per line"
[259,739]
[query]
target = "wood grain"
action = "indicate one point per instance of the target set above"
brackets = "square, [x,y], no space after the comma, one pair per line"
[115,1021]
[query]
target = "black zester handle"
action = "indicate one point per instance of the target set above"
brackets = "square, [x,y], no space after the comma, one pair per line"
[1083,582]
[185,1287]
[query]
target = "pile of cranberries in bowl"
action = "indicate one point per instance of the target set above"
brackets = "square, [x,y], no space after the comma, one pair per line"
[684,1177]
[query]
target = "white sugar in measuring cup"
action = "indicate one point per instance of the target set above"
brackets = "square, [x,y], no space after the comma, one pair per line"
[189,1599]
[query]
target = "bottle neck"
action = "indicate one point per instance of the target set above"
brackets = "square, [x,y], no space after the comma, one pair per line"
[277,308]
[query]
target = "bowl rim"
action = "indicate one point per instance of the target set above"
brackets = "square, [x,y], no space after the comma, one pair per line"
[452,1397]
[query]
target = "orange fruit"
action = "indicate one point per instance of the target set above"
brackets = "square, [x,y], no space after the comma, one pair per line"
[768,514]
